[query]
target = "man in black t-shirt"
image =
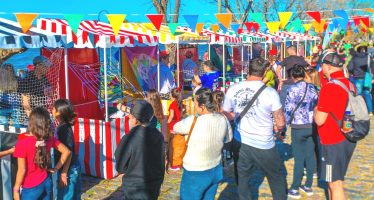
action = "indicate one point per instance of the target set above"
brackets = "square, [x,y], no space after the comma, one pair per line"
[35,88]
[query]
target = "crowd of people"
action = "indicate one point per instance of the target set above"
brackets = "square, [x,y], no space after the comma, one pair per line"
[303,95]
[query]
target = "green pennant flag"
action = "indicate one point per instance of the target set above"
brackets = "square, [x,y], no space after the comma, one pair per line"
[257,17]
[297,26]
[74,20]
[173,27]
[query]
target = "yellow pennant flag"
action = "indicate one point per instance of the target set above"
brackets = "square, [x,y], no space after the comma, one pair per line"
[371,30]
[318,27]
[116,21]
[224,19]
[284,17]
[307,26]
[273,26]
[199,27]
[25,20]
[215,27]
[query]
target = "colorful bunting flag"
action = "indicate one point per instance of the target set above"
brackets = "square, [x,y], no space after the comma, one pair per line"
[116,21]
[249,26]
[215,27]
[315,15]
[273,26]
[297,26]
[357,20]
[342,14]
[284,17]
[366,21]
[173,27]
[307,27]
[25,20]
[199,27]
[191,21]
[235,27]
[369,10]
[319,27]
[224,29]
[156,20]
[256,26]
[257,17]
[224,19]
[74,20]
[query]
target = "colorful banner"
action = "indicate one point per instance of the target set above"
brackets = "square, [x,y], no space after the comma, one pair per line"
[140,61]
[156,20]
[199,27]
[273,26]
[342,14]
[215,27]
[191,21]
[25,20]
[319,27]
[116,21]
[307,26]
[74,20]
[284,17]
[224,19]
[173,27]
[257,17]
[235,27]
[315,15]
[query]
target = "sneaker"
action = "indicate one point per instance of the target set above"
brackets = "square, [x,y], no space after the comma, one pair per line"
[307,190]
[294,194]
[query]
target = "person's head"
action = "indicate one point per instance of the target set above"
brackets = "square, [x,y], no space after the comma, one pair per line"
[362,49]
[41,65]
[8,82]
[63,111]
[218,97]
[141,113]
[164,57]
[257,67]
[331,62]
[272,59]
[291,50]
[204,101]
[154,99]
[208,66]
[40,126]
[189,54]
[176,95]
[297,72]
[312,77]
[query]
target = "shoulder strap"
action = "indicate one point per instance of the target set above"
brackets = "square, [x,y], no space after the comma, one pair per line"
[189,135]
[351,88]
[299,104]
[250,103]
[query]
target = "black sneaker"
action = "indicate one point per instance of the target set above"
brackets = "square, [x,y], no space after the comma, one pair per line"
[308,191]
[294,194]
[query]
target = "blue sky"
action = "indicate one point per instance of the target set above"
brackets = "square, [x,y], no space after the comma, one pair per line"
[135,11]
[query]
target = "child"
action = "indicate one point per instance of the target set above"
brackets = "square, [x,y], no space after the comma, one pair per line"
[70,176]
[269,76]
[154,99]
[175,110]
[218,97]
[34,158]
[196,85]
[210,78]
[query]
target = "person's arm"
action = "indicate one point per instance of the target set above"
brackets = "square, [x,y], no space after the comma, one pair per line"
[183,127]
[65,156]
[228,136]
[228,106]
[289,106]
[171,115]
[123,154]
[6,152]
[319,117]
[279,120]
[21,172]
[350,66]
[26,103]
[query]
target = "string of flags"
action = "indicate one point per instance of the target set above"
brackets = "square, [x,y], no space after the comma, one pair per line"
[342,23]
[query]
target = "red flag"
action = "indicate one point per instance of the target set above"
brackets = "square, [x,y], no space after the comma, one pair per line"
[256,26]
[156,20]
[366,21]
[357,20]
[315,15]
[249,26]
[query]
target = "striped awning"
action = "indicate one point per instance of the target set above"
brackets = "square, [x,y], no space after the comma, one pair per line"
[220,37]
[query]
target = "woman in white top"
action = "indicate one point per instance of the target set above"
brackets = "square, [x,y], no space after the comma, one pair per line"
[202,162]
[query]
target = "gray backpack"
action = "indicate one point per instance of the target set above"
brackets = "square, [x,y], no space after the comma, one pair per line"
[357,106]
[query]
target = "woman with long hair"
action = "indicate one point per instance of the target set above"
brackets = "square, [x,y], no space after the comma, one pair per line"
[154,99]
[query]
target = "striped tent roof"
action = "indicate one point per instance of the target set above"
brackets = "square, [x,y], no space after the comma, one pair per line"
[220,37]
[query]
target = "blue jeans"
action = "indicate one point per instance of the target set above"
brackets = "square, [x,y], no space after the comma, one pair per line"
[42,191]
[198,185]
[73,189]
[365,92]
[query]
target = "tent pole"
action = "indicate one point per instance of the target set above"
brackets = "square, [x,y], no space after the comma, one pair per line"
[305,51]
[242,61]
[224,66]
[66,73]
[251,51]
[209,50]
[178,67]
[106,87]
[265,51]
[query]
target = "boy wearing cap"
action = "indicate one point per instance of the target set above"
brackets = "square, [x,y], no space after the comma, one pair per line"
[336,150]
[140,155]
[35,87]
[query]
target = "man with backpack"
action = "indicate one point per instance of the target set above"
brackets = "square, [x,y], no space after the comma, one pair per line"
[336,149]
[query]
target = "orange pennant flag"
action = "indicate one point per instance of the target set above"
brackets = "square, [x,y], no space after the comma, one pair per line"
[369,10]
[116,21]
[318,27]
[273,26]
[284,17]
[224,19]
[215,27]
[199,27]
[25,20]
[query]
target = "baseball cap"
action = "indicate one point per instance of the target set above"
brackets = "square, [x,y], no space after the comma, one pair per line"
[142,111]
[164,54]
[331,58]
[40,59]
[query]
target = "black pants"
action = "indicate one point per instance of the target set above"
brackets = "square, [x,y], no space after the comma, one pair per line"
[147,192]
[247,159]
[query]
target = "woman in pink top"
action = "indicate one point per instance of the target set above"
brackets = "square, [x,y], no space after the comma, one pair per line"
[34,158]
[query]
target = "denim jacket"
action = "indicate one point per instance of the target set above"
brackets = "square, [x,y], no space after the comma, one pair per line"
[303,116]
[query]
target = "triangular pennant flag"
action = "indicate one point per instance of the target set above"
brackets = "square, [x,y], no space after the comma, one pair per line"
[369,10]
[249,26]
[318,27]
[74,20]
[315,15]
[235,27]
[297,26]
[224,19]
[191,21]
[307,26]
[341,13]
[156,20]
[199,27]
[284,17]
[256,26]
[25,20]
[257,17]
[215,27]
[335,22]
[357,21]
[366,21]
[273,26]
[116,21]
[343,23]
[173,27]
[224,29]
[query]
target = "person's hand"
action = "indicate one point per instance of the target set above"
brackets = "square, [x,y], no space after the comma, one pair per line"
[52,171]
[63,180]
[16,194]
[11,150]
